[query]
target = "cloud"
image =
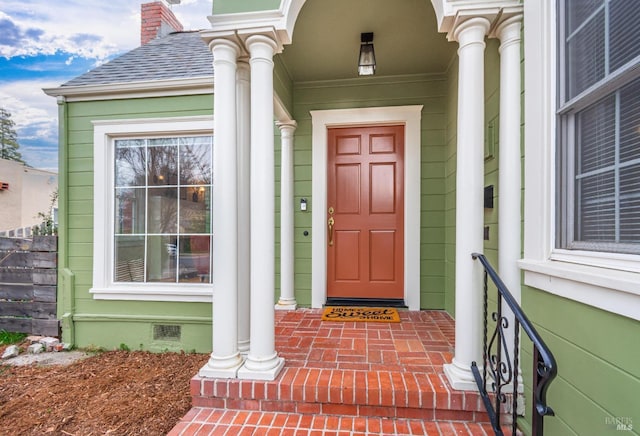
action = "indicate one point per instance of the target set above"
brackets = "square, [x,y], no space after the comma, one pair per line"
[43,47]
[35,116]
[87,28]
[11,34]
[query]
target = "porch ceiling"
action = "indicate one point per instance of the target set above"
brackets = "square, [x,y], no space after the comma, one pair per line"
[326,39]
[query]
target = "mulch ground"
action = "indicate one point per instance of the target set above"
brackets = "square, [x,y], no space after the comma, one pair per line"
[115,393]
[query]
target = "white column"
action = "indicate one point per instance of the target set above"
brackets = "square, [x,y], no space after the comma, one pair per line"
[469,202]
[287,299]
[509,217]
[243,99]
[262,362]
[509,178]
[225,358]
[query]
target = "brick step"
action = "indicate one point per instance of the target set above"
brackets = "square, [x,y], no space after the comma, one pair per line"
[207,421]
[345,379]
[343,392]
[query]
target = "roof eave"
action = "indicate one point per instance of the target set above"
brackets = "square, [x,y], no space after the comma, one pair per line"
[142,89]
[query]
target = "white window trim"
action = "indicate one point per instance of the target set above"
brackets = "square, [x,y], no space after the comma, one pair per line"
[104,134]
[606,281]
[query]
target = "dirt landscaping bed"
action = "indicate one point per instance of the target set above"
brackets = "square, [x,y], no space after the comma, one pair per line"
[115,392]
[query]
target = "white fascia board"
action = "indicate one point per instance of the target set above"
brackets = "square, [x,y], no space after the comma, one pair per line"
[116,91]
[451,13]
[251,23]
[282,20]
[241,20]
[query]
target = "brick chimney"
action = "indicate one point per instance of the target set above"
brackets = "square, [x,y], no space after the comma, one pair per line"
[157,20]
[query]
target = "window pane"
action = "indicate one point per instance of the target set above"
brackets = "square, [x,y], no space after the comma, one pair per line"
[625,38]
[586,56]
[195,160]
[163,142]
[630,122]
[630,204]
[130,163]
[161,258]
[162,216]
[163,164]
[578,11]
[596,136]
[163,210]
[596,203]
[130,210]
[129,261]
[599,181]
[195,259]
[195,209]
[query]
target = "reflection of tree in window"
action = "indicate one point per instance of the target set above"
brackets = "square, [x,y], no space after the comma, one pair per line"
[195,161]
[162,164]
[130,165]
[163,171]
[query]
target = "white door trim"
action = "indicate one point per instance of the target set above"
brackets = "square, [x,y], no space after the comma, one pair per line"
[410,117]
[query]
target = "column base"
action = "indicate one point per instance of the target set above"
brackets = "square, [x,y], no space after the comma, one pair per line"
[221,368]
[460,378]
[268,374]
[286,304]
[243,348]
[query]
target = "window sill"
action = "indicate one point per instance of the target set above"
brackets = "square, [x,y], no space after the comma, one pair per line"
[604,288]
[183,293]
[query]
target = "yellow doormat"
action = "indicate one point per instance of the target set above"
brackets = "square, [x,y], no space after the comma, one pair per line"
[370,314]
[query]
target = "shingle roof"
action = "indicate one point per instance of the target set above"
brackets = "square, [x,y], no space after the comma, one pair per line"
[175,56]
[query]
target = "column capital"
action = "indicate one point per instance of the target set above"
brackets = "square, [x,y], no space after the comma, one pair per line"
[225,50]
[451,13]
[261,46]
[508,31]
[287,127]
[471,31]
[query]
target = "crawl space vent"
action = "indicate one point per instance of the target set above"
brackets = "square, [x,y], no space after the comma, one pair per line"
[163,332]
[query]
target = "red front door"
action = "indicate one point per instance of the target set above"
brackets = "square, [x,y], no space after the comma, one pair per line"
[365,198]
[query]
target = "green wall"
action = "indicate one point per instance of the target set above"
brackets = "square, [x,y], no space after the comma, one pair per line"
[598,361]
[491,144]
[450,188]
[427,90]
[234,6]
[87,321]
[282,84]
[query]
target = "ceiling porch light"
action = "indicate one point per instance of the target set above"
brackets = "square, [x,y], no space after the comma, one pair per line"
[367,58]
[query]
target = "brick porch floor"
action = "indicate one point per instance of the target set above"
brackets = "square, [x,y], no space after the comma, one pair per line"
[344,378]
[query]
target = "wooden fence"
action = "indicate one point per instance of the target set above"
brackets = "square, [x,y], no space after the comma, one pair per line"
[28,279]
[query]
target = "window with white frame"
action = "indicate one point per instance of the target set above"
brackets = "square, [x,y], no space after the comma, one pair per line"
[153,180]
[598,193]
[162,212]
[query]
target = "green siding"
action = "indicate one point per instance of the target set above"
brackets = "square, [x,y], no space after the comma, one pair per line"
[427,90]
[598,365]
[282,84]
[237,6]
[491,162]
[111,323]
[449,159]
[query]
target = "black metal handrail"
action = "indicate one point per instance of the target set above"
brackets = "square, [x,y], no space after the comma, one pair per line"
[504,370]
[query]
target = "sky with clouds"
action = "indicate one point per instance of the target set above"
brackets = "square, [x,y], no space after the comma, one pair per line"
[44,44]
